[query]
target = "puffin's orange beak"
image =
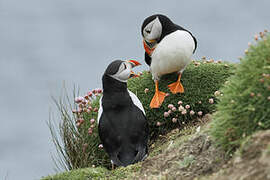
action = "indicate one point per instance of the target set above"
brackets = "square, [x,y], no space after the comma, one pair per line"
[133,63]
[147,49]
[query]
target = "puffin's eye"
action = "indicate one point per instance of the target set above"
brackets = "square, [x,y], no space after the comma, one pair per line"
[125,66]
[147,31]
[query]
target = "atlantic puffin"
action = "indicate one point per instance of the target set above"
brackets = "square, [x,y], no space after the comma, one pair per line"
[122,124]
[168,48]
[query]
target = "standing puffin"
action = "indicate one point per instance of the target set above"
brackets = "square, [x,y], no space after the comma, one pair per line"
[122,125]
[168,48]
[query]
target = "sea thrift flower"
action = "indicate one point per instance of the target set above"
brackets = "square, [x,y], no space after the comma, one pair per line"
[174,109]
[211,100]
[261,80]
[99,91]
[90,131]
[167,94]
[92,126]
[158,123]
[170,106]
[184,112]
[217,93]
[252,94]
[146,90]
[79,99]
[100,146]
[249,44]
[170,111]
[95,109]
[200,102]
[181,108]
[187,106]
[166,114]
[174,120]
[180,102]
[268,98]
[90,94]
[86,97]
[191,112]
[200,113]
[256,37]
[92,121]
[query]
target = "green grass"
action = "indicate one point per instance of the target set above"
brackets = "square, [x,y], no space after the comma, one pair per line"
[200,83]
[245,106]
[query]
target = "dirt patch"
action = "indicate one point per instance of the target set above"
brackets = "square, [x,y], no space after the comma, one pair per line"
[185,159]
[251,162]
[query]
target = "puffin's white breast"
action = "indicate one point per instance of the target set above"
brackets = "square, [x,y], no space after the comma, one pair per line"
[172,54]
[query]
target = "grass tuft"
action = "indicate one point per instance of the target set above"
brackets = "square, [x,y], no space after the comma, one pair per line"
[245,106]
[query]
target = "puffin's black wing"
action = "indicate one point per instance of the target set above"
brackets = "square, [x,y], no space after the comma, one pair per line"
[125,136]
[147,59]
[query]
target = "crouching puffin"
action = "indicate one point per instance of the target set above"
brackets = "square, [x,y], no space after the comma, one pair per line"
[168,48]
[122,125]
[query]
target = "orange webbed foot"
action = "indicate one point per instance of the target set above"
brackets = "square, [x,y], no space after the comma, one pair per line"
[176,87]
[158,99]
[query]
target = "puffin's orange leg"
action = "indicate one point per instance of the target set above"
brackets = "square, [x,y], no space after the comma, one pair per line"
[158,98]
[176,87]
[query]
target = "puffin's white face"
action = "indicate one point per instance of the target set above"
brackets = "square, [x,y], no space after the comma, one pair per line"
[152,31]
[124,72]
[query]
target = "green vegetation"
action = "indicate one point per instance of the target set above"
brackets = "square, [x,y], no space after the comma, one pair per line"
[245,106]
[201,80]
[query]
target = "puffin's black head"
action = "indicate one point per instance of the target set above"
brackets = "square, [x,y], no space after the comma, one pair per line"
[121,70]
[154,27]
[117,74]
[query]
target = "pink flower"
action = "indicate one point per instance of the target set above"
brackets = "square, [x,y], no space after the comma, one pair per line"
[217,93]
[187,106]
[74,111]
[184,112]
[95,109]
[92,121]
[166,114]
[79,99]
[86,97]
[90,131]
[180,102]
[181,108]
[94,91]
[170,111]
[146,90]
[211,101]
[90,94]
[100,146]
[200,102]
[90,108]
[174,109]
[158,123]
[252,94]
[200,113]
[191,112]
[174,120]
[92,126]
[170,106]
[99,91]
[167,94]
